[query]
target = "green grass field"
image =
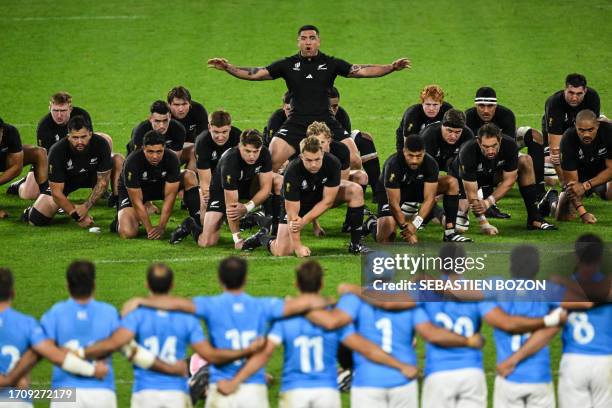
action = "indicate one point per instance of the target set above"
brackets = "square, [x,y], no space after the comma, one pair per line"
[117,57]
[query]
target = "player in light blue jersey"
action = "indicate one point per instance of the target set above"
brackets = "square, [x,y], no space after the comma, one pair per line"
[22,340]
[166,335]
[585,373]
[234,320]
[310,367]
[454,375]
[76,323]
[390,324]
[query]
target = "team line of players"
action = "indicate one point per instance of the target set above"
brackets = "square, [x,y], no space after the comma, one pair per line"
[155,333]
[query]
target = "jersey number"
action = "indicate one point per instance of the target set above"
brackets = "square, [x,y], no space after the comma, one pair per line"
[386,327]
[240,340]
[307,344]
[463,325]
[583,330]
[13,353]
[518,340]
[168,350]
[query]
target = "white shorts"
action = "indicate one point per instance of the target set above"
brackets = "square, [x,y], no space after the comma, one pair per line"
[247,396]
[585,381]
[310,398]
[405,396]
[90,398]
[463,388]
[509,394]
[160,399]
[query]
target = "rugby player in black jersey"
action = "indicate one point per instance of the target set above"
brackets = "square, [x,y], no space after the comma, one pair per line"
[152,173]
[193,117]
[311,185]
[309,75]
[160,120]
[430,110]
[13,156]
[412,176]
[492,159]
[560,112]
[80,160]
[586,161]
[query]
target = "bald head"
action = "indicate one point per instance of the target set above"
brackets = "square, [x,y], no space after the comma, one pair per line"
[587,126]
[159,278]
[586,115]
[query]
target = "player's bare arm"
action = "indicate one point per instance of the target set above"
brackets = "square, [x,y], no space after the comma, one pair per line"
[538,340]
[14,165]
[170,192]
[374,70]
[136,198]
[446,338]
[246,73]
[164,302]
[374,353]
[329,196]
[256,362]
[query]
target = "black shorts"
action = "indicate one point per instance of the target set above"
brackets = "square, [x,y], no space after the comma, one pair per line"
[408,202]
[304,208]
[73,185]
[124,201]
[246,191]
[294,130]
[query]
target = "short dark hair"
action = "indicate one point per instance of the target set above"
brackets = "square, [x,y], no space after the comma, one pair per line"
[589,249]
[152,138]
[575,80]
[489,130]
[159,278]
[287,97]
[308,27]
[333,92]
[524,261]
[309,275]
[179,92]
[7,282]
[414,143]
[159,107]
[232,272]
[454,118]
[251,137]
[81,276]
[78,122]
[220,118]
[586,114]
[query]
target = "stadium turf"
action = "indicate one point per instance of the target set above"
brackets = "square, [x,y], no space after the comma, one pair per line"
[117,57]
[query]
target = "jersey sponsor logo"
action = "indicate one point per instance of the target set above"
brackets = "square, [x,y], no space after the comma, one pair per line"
[93,160]
[4,150]
[168,142]
[322,67]
[324,180]
[479,168]
[283,131]
[213,156]
[191,127]
[580,154]
[296,67]
[257,169]
[304,185]
[287,187]
[81,315]
[162,313]
[238,307]
[57,138]
[420,177]
[69,165]
[125,201]
[308,76]
[392,177]
[500,163]
[82,171]
[228,178]
[385,207]
[145,176]
[214,204]
[241,174]
[602,151]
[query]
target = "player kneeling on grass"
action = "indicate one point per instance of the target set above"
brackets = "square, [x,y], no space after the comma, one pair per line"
[309,365]
[244,172]
[81,160]
[166,336]
[492,159]
[311,186]
[152,173]
[22,341]
[13,156]
[586,162]
[413,176]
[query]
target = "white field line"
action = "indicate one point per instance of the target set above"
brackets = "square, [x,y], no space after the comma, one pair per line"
[73,18]
[259,120]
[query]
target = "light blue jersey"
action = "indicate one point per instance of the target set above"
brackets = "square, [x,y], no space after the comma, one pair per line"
[71,324]
[464,318]
[536,368]
[233,322]
[393,331]
[167,335]
[18,333]
[310,353]
[589,331]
